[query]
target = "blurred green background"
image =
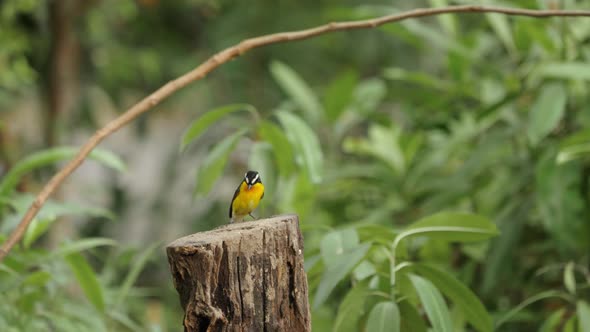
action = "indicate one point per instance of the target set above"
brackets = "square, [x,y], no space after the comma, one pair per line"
[440,166]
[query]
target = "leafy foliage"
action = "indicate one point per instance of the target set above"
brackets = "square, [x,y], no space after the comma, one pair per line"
[37,284]
[440,166]
[384,164]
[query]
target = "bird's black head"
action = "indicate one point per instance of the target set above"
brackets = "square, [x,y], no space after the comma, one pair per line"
[251,178]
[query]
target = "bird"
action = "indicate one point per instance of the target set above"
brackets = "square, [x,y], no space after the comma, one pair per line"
[246,197]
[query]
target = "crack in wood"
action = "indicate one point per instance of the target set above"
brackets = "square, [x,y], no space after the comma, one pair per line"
[264,293]
[240,290]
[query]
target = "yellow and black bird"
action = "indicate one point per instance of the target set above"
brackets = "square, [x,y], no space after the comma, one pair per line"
[246,197]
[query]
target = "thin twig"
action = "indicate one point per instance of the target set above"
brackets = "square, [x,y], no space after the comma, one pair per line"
[224,56]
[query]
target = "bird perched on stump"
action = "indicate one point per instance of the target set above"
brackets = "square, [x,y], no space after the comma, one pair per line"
[246,197]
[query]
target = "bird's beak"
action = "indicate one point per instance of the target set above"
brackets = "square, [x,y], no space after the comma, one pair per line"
[249,186]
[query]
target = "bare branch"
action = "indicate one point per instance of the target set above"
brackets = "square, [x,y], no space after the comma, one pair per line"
[224,56]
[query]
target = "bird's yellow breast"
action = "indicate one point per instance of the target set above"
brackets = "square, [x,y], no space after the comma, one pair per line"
[247,199]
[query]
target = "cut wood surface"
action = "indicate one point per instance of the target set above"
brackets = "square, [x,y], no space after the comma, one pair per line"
[246,276]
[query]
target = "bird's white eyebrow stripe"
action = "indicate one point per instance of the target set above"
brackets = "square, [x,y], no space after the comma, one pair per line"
[255,178]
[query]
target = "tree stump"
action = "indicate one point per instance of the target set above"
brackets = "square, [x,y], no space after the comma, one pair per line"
[242,277]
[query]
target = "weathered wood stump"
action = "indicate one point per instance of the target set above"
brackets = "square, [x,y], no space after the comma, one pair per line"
[242,277]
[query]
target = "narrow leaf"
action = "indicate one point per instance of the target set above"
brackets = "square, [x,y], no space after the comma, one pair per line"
[340,94]
[38,278]
[384,317]
[538,297]
[214,163]
[352,308]
[81,245]
[565,70]
[198,126]
[474,311]
[49,157]
[36,228]
[433,303]
[306,144]
[368,95]
[336,243]
[572,152]
[127,322]
[260,158]
[138,264]
[87,280]
[451,226]
[340,268]
[447,22]
[553,321]
[282,149]
[47,216]
[583,311]
[569,279]
[411,319]
[296,88]
[546,112]
[500,25]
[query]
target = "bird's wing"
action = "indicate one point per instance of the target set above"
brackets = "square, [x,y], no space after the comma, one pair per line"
[232,200]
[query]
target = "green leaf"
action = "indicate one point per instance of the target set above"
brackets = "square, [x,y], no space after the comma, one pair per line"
[382,143]
[340,267]
[364,270]
[384,317]
[340,94]
[260,159]
[462,297]
[139,263]
[306,144]
[553,321]
[573,152]
[570,325]
[420,78]
[499,23]
[81,245]
[583,311]
[540,296]
[352,308]
[433,303]
[49,213]
[127,322]
[511,220]
[282,149]
[296,88]
[569,279]
[565,70]
[411,319]
[52,209]
[434,37]
[198,126]
[214,163]
[36,228]
[368,95]
[546,112]
[447,22]
[87,280]
[49,157]
[559,202]
[37,279]
[376,233]
[452,227]
[336,243]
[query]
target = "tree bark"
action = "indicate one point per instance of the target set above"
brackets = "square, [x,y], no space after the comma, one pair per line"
[242,277]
